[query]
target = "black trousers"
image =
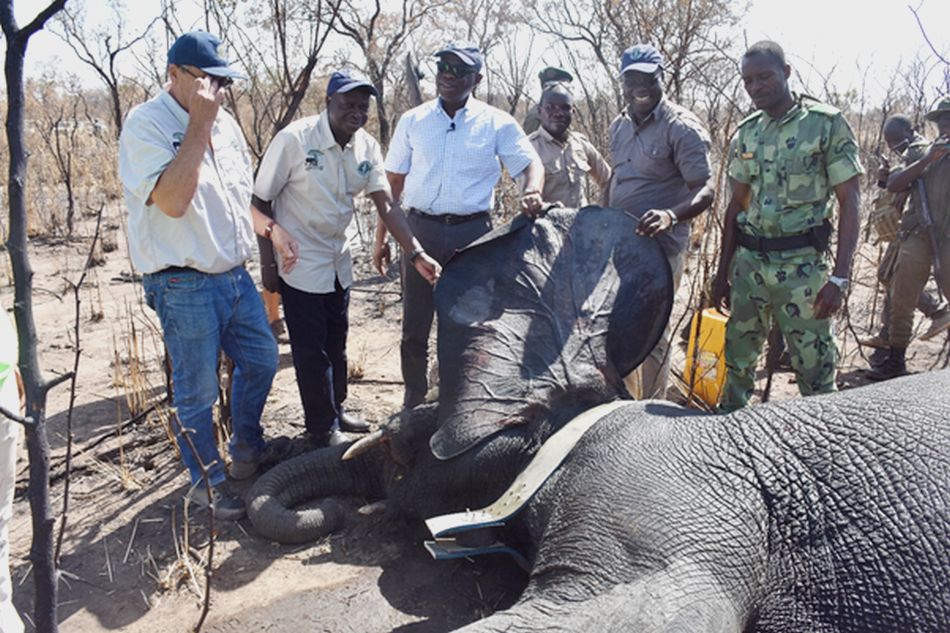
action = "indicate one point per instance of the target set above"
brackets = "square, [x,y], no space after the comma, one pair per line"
[440,241]
[318,325]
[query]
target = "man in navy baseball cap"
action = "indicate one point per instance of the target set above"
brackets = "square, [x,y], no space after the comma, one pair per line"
[343,82]
[468,54]
[200,49]
[642,58]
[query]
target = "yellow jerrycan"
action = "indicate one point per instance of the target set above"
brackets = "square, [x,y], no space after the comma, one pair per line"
[705,356]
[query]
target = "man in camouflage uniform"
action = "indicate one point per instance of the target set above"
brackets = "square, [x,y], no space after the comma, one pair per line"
[915,258]
[787,158]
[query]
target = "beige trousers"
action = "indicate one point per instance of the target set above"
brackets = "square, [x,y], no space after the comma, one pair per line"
[652,377]
[914,264]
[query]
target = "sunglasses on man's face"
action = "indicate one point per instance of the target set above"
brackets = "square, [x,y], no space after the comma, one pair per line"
[456,70]
[221,82]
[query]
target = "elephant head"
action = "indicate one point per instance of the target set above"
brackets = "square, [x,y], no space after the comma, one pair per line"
[538,320]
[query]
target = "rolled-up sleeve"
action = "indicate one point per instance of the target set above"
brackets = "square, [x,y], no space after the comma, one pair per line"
[738,167]
[144,154]
[399,157]
[691,152]
[513,147]
[843,160]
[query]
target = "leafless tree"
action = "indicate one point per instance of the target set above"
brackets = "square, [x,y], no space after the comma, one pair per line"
[41,550]
[100,48]
[280,67]
[380,36]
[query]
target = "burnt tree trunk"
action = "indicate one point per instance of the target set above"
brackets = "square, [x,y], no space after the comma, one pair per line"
[41,550]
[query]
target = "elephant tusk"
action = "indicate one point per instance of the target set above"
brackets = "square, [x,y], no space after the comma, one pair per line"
[364,444]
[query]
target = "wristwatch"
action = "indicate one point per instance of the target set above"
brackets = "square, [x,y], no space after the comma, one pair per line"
[841,282]
[415,254]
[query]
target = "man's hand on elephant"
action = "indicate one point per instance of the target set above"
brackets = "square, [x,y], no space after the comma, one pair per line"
[720,293]
[532,204]
[427,267]
[656,221]
[286,245]
[382,257]
[828,301]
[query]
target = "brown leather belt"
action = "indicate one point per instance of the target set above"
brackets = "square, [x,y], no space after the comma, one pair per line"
[450,218]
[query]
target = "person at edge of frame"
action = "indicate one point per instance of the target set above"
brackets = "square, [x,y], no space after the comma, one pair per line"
[929,170]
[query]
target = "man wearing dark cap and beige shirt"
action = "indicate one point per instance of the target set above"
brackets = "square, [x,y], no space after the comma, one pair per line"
[568,156]
[443,164]
[661,174]
[311,172]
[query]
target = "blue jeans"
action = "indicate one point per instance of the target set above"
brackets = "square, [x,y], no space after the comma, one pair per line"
[201,314]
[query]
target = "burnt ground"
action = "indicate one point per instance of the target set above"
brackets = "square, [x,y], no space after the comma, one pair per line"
[132,556]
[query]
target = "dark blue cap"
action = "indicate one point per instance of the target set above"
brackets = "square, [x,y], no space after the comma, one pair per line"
[641,57]
[342,81]
[467,53]
[200,49]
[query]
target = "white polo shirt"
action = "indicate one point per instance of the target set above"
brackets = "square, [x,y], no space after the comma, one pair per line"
[311,182]
[216,232]
[451,163]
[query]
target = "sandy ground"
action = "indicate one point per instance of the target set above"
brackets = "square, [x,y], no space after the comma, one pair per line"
[131,556]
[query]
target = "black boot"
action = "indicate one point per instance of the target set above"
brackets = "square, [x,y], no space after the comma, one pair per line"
[894,366]
[879,356]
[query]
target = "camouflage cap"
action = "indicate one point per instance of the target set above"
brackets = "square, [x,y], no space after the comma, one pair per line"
[553,73]
[942,106]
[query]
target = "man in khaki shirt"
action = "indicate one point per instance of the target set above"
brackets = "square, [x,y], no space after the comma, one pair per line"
[568,156]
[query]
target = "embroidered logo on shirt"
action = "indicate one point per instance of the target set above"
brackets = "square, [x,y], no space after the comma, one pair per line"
[364,168]
[177,138]
[313,161]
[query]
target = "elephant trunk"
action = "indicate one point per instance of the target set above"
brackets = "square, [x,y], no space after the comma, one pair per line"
[272,501]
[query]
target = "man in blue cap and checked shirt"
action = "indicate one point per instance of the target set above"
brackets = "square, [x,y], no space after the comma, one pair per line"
[443,165]
[187,179]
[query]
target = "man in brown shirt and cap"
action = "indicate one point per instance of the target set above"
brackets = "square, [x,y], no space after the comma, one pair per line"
[568,156]
[661,174]
[549,75]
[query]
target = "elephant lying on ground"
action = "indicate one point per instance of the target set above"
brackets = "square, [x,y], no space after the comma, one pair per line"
[825,514]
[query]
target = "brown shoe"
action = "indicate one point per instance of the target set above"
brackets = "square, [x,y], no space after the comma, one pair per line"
[939,323]
[877,342]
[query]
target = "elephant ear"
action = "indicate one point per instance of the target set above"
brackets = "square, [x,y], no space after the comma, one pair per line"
[534,309]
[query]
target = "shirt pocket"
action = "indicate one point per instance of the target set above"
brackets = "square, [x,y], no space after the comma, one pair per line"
[357,174]
[580,160]
[657,158]
[807,180]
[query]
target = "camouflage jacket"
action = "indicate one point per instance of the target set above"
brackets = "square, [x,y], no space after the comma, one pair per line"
[792,165]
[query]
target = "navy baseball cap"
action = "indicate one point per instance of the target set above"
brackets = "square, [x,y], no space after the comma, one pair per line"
[200,49]
[641,57]
[467,53]
[342,81]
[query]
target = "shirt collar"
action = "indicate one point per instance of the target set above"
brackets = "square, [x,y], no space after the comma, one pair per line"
[655,114]
[550,139]
[174,107]
[324,135]
[472,106]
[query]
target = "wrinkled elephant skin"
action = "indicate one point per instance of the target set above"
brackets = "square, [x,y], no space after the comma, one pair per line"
[828,514]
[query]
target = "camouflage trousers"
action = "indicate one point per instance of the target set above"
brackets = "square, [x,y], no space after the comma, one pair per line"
[764,289]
